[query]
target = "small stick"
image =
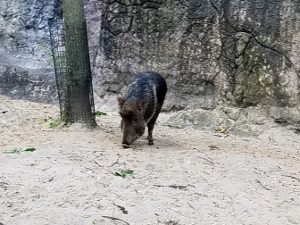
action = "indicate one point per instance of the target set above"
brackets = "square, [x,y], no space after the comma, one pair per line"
[109,165]
[102,167]
[115,161]
[191,206]
[282,203]
[97,163]
[89,169]
[295,178]
[259,182]
[208,160]
[114,218]
[171,186]
[122,208]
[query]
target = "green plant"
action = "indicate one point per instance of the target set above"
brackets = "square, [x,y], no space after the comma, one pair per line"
[124,173]
[51,122]
[19,150]
[98,113]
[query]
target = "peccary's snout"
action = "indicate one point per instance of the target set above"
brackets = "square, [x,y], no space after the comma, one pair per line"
[126,142]
[130,134]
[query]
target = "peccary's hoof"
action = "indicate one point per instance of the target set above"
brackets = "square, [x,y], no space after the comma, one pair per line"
[150,142]
[126,146]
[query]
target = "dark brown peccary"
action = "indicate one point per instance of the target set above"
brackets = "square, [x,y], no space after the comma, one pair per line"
[141,106]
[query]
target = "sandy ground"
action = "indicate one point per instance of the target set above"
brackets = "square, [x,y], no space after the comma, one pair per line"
[188,176]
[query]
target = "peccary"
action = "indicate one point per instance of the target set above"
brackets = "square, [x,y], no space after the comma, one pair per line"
[141,106]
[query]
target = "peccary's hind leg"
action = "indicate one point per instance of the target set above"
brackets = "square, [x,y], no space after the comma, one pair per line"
[150,131]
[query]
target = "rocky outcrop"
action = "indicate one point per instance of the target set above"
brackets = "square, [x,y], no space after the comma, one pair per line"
[237,51]
[212,53]
[26,69]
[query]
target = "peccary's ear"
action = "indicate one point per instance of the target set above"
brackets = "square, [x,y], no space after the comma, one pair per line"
[121,101]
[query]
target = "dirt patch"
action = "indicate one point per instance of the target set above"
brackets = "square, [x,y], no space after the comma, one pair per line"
[188,177]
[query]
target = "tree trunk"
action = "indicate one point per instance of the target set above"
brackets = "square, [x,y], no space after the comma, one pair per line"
[78,75]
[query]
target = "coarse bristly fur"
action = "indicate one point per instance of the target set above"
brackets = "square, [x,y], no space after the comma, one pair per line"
[141,106]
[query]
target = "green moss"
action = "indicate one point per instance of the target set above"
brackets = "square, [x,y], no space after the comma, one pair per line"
[52,122]
[254,80]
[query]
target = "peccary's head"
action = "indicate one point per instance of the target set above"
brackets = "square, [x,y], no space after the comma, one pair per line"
[132,124]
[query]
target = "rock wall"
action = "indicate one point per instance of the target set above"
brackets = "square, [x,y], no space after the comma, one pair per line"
[213,53]
[243,53]
[25,54]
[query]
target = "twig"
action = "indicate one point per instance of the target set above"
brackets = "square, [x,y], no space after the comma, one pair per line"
[213,147]
[115,161]
[191,206]
[207,160]
[171,186]
[295,178]
[122,208]
[259,182]
[280,204]
[109,165]
[97,163]
[115,219]
[89,169]
[102,167]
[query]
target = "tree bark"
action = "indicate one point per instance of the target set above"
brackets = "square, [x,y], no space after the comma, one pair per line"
[78,74]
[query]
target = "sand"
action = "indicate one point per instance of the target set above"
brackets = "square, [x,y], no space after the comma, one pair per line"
[188,177]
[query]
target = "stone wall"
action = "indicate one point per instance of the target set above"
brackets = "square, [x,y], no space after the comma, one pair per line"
[243,53]
[25,54]
[213,53]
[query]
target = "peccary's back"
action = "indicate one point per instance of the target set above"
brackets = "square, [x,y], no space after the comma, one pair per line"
[151,88]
